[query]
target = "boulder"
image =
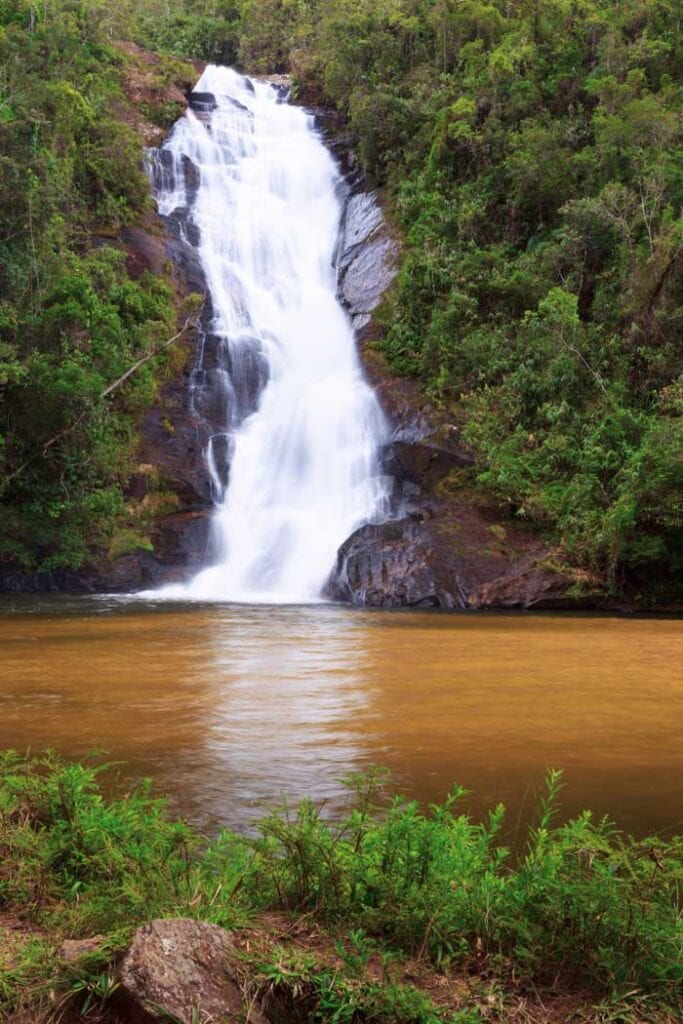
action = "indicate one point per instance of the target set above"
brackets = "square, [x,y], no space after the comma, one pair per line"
[180,969]
[452,555]
[412,563]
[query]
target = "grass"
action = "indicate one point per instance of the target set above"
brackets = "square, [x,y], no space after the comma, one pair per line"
[581,909]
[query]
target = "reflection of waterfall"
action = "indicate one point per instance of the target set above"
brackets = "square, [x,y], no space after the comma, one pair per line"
[295,466]
[289,693]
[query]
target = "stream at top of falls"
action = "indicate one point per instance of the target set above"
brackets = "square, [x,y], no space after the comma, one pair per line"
[295,464]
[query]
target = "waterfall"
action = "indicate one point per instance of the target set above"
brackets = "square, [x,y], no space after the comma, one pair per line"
[294,464]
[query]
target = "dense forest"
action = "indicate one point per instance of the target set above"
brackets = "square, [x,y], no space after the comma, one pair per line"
[530,155]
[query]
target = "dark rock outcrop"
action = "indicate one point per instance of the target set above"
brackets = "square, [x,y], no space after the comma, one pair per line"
[425,462]
[180,969]
[443,563]
[448,555]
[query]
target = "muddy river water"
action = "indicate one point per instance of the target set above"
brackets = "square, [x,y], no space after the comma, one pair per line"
[228,708]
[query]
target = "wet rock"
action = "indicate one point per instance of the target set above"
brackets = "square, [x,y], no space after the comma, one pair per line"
[424,463]
[362,218]
[447,556]
[367,260]
[202,101]
[412,563]
[182,540]
[180,969]
[529,585]
[160,247]
[17,581]
[329,123]
[145,252]
[174,441]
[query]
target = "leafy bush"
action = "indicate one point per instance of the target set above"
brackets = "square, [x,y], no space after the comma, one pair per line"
[581,901]
[578,904]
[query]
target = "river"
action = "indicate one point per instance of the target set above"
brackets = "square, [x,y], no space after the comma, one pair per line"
[227,707]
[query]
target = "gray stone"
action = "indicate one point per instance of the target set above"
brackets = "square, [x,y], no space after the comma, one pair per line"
[180,968]
[362,217]
[367,261]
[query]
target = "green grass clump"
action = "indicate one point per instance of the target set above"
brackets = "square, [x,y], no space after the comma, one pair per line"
[79,863]
[302,989]
[581,902]
[580,906]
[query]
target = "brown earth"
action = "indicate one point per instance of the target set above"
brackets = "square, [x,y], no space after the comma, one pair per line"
[194,970]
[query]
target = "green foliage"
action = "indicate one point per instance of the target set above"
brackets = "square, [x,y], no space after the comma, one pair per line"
[582,902]
[82,864]
[208,31]
[309,991]
[579,904]
[71,318]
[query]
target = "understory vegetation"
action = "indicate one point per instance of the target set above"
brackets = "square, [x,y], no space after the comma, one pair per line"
[580,907]
[72,320]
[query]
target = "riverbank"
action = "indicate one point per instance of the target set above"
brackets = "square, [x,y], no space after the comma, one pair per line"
[390,913]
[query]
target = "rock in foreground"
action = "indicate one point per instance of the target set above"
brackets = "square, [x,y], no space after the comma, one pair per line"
[179,969]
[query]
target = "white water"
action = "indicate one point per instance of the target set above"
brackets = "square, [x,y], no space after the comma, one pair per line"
[304,470]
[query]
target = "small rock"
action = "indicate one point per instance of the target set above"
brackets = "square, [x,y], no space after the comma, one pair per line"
[73,949]
[179,968]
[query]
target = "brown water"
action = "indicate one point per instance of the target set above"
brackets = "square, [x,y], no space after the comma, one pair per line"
[228,707]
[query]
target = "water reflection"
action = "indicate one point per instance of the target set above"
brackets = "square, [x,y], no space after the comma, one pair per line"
[288,699]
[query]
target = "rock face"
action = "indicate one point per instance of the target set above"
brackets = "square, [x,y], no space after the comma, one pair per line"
[178,968]
[367,260]
[528,585]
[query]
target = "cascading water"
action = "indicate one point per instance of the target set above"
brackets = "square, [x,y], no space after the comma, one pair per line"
[295,466]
